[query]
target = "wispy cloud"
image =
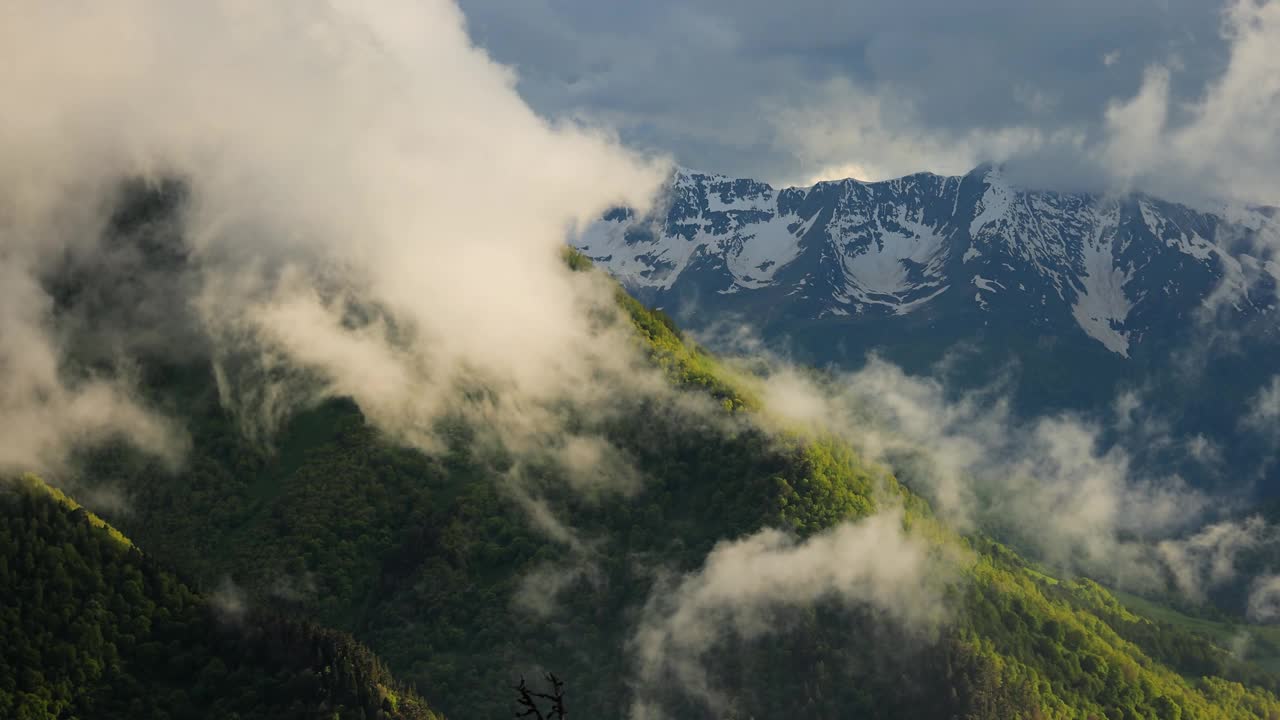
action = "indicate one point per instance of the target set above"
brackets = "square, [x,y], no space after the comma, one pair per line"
[873,563]
[1051,485]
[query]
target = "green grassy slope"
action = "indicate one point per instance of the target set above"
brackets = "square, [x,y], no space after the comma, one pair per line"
[1259,643]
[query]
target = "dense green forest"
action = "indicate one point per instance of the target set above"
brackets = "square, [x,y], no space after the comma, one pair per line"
[432,563]
[92,628]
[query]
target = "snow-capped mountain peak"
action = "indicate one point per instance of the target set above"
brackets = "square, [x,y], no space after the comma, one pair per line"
[852,249]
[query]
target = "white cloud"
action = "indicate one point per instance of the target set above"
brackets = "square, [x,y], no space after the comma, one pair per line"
[872,562]
[42,412]
[1264,599]
[843,128]
[229,600]
[336,156]
[1229,143]
[1134,128]
[1208,558]
[1048,485]
[1263,415]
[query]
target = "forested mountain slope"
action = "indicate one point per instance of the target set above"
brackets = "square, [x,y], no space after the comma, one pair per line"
[93,628]
[439,564]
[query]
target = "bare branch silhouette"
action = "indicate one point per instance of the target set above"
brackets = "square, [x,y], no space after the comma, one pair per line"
[528,700]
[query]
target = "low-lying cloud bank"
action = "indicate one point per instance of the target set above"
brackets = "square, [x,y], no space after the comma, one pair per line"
[364,206]
[1051,485]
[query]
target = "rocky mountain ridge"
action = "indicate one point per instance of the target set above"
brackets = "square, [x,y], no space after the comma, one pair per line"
[1119,268]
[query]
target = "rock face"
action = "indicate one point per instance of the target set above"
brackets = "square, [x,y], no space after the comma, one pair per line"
[1081,295]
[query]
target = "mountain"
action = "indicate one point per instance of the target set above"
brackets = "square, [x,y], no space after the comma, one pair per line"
[1080,297]
[1126,272]
[92,628]
[749,569]
[428,560]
